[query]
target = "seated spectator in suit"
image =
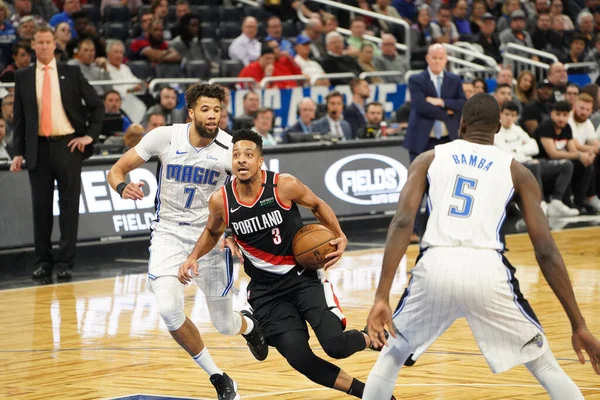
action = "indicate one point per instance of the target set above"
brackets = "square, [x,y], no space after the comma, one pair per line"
[153,121]
[333,123]
[336,61]
[188,44]
[468,89]
[246,48]
[262,67]
[307,110]
[5,150]
[92,68]
[538,111]
[390,60]
[488,38]
[166,107]
[133,135]
[69,7]
[274,32]
[516,33]
[309,67]
[437,99]
[112,108]
[21,55]
[571,93]
[284,65]
[503,94]
[153,46]
[373,128]
[356,40]
[263,125]
[355,113]
[117,70]
[443,30]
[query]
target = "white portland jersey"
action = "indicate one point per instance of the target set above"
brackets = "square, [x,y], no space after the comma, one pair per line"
[470,186]
[188,175]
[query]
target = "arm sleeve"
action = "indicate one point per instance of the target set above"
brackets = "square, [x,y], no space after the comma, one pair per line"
[154,143]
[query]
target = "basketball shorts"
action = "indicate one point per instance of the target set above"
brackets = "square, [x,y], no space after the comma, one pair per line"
[285,305]
[480,285]
[169,248]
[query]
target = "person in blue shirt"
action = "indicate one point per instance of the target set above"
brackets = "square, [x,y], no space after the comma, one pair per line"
[275,32]
[69,7]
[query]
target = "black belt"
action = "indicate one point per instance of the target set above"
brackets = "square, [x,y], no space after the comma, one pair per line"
[55,138]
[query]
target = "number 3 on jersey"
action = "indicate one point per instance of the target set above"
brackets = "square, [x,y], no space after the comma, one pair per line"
[276,236]
[461,185]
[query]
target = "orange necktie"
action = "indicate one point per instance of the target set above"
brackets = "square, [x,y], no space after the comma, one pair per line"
[46,126]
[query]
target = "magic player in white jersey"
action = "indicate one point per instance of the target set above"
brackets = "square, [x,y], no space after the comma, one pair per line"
[195,162]
[462,271]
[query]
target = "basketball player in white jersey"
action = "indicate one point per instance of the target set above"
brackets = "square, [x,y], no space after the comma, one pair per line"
[195,162]
[462,271]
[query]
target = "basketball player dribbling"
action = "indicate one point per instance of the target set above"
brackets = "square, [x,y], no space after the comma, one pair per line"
[462,272]
[261,208]
[196,161]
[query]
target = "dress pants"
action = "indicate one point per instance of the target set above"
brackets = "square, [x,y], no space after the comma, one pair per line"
[55,162]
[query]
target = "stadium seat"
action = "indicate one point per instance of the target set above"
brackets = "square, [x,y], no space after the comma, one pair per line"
[92,12]
[116,30]
[257,12]
[230,30]
[168,70]
[232,14]
[205,13]
[230,68]
[116,14]
[225,43]
[198,69]
[289,29]
[141,69]
[208,30]
[210,49]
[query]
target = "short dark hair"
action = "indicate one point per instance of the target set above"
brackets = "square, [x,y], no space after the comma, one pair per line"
[483,82]
[42,29]
[503,85]
[154,5]
[21,45]
[249,93]
[250,135]
[333,94]
[562,106]
[85,40]
[578,36]
[179,2]
[263,110]
[444,7]
[110,92]
[210,90]
[373,104]
[354,82]
[481,112]
[510,106]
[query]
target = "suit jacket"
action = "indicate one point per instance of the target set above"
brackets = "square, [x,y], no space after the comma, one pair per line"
[74,90]
[332,64]
[321,126]
[423,114]
[355,118]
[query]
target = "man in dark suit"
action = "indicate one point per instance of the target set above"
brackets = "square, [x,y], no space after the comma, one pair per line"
[335,61]
[307,110]
[332,123]
[437,99]
[54,132]
[355,114]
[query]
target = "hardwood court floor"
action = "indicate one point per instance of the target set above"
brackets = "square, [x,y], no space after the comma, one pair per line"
[104,338]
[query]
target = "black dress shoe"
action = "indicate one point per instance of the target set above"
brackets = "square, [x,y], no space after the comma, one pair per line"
[42,271]
[64,274]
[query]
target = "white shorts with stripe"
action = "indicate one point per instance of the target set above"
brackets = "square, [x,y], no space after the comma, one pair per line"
[170,247]
[449,283]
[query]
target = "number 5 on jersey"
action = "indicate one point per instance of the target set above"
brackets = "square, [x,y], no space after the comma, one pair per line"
[460,187]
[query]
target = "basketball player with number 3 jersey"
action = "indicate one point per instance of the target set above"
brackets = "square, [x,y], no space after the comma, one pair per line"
[462,270]
[261,208]
[195,162]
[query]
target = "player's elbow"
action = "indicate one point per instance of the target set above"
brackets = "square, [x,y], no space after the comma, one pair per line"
[402,221]
[546,255]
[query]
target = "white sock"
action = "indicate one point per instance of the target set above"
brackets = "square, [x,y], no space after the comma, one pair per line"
[551,376]
[205,361]
[250,326]
[382,379]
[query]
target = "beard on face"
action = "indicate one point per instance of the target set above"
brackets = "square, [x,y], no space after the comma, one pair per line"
[205,133]
[579,118]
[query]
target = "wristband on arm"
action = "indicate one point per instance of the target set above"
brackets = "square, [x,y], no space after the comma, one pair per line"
[121,187]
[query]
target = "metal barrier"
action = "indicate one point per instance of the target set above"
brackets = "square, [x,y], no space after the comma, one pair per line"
[160,81]
[227,81]
[366,75]
[116,82]
[337,75]
[519,64]
[469,53]
[265,81]
[470,70]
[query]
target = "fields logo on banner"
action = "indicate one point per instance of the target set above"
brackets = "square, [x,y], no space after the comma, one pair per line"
[366,179]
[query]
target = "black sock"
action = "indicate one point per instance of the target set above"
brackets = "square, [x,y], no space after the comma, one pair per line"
[356,388]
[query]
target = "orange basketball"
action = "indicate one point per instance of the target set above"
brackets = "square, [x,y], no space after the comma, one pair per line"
[311,245]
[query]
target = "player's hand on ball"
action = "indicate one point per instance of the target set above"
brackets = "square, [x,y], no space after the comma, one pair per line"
[334,257]
[133,191]
[379,317]
[582,339]
[233,246]
[187,271]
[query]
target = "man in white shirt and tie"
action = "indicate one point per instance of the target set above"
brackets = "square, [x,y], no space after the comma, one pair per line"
[246,48]
[333,122]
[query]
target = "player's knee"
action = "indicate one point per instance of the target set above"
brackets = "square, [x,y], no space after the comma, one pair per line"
[226,325]
[301,360]
[171,313]
[335,347]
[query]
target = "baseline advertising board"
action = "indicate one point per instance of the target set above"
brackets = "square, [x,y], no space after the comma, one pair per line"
[352,178]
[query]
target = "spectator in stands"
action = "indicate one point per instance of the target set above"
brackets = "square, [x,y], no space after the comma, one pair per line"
[182,7]
[62,33]
[284,65]
[478,10]
[159,10]
[7,113]
[576,53]
[503,93]
[274,32]
[8,34]
[554,138]
[371,24]
[556,11]
[153,47]
[314,32]
[225,123]
[365,60]
[383,7]
[560,44]
[571,93]
[133,135]
[23,9]
[406,8]
[309,67]
[142,29]
[86,30]
[372,128]
[355,114]
[421,37]
[307,110]
[227,99]
[333,123]
[557,76]
[390,60]
[468,89]
[479,86]
[585,24]
[154,120]
[508,8]
[263,124]
[132,4]
[494,7]
[330,23]
[594,54]
[112,108]
[261,68]
[335,60]
[5,149]
[585,140]
[505,76]
[594,90]
[21,55]
[26,29]
[117,70]
[538,111]
[488,38]
[166,107]
[525,88]
[69,7]
[543,37]
[460,14]
[443,30]
[437,100]
[246,48]
[357,40]
[516,33]
[92,68]
[188,43]
[251,104]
